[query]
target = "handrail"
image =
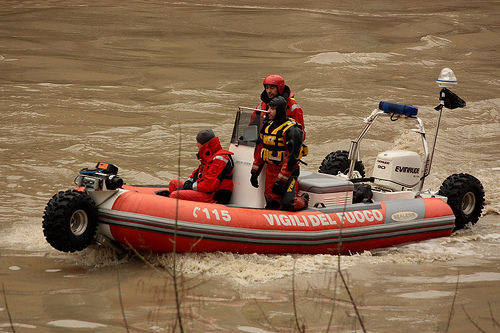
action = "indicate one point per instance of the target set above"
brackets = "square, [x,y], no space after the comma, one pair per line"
[354,153]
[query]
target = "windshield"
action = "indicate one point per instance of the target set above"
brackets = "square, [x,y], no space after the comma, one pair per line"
[247,127]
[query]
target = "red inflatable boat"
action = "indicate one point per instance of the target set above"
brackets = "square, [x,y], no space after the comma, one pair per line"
[348,213]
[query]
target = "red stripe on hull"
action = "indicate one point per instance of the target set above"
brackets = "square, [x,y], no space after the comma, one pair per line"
[161,243]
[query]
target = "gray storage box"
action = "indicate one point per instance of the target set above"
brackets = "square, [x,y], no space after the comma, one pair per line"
[325,189]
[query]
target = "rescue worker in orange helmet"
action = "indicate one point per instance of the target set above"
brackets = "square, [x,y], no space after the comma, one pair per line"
[274,85]
[280,148]
[212,181]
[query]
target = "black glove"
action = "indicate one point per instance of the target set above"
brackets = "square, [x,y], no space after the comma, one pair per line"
[278,186]
[255,180]
[188,185]
[164,193]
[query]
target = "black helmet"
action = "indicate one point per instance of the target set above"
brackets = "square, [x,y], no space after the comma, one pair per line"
[279,103]
[205,135]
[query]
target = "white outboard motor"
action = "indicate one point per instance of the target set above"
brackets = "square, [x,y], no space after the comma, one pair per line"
[397,170]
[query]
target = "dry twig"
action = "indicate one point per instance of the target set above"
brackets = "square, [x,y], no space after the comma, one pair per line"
[121,301]
[295,303]
[495,322]
[344,282]
[472,321]
[7,308]
[174,265]
[452,310]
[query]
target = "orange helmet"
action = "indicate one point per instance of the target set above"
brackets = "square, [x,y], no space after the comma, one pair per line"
[276,80]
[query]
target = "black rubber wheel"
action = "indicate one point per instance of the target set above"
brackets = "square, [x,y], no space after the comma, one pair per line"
[338,161]
[465,195]
[70,221]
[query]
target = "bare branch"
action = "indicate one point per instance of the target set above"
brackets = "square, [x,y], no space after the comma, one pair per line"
[358,315]
[265,317]
[492,317]
[145,260]
[334,303]
[344,282]
[294,301]
[174,268]
[452,310]
[472,321]
[121,301]
[7,308]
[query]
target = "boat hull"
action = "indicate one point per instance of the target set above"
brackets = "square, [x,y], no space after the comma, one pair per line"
[138,218]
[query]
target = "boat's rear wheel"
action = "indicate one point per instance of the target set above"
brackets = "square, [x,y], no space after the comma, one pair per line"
[79,222]
[338,161]
[465,195]
[70,221]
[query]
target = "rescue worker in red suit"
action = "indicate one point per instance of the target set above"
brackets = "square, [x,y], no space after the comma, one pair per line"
[274,85]
[280,147]
[212,181]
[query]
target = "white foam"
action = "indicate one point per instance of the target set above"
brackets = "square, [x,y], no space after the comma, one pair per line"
[430,42]
[480,277]
[54,85]
[252,329]
[17,325]
[245,269]
[70,323]
[111,87]
[329,58]
[202,92]
[427,294]
[249,268]
[24,236]
[451,279]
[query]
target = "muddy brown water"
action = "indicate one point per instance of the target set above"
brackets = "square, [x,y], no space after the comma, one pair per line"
[132,82]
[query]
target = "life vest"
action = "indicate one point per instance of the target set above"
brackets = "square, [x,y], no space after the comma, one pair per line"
[273,146]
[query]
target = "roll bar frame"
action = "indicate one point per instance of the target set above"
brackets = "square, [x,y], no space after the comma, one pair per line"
[354,149]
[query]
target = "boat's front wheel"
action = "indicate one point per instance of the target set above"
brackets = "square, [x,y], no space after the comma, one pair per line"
[70,221]
[338,161]
[465,195]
